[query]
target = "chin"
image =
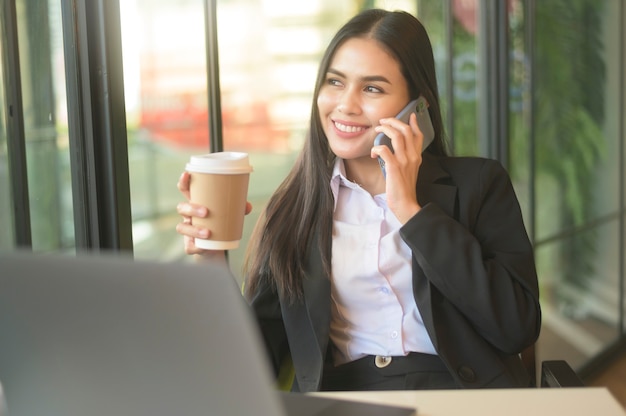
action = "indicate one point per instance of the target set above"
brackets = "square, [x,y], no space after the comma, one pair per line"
[350,155]
[352,151]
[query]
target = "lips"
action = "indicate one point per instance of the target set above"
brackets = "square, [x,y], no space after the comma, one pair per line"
[348,130]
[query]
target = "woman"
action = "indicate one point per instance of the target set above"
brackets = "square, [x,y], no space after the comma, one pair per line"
[423,278]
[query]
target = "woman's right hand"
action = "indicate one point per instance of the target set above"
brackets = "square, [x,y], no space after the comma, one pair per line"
[189,231]
[187,210]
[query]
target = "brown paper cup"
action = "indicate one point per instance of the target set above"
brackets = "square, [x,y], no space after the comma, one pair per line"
[219,181]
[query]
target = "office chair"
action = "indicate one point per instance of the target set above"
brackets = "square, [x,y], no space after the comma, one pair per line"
[554,373]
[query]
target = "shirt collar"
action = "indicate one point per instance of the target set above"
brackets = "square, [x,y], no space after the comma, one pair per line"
[338,178]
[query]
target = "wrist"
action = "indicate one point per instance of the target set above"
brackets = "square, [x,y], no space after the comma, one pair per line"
[408,212]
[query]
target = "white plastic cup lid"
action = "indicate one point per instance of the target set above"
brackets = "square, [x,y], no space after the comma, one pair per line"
[226,163]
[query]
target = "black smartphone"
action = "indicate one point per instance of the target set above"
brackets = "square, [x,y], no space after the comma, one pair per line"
[420,108]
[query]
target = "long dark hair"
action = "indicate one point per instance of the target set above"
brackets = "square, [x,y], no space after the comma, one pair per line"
[299,213]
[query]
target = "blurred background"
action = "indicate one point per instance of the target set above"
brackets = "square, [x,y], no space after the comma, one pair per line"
[538,85]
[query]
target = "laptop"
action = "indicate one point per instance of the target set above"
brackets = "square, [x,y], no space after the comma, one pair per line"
[103,335]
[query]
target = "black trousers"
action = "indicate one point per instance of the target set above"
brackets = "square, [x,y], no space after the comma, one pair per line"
[415,371]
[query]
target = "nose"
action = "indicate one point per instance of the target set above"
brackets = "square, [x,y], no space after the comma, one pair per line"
[349,103]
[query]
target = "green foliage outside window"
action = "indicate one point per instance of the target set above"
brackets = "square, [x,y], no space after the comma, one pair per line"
[570,78]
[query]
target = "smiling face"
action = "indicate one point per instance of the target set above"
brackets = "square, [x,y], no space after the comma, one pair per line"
[363,84]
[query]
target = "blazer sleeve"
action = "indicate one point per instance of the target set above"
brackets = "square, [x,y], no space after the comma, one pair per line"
[481,262]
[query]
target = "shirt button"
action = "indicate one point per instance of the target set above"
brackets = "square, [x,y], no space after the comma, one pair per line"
[384,290]
[394,334]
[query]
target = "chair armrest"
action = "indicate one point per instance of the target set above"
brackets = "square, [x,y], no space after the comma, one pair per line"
[558,373]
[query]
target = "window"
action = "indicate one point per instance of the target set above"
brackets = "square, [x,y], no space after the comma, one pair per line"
[43,124]
[89,156]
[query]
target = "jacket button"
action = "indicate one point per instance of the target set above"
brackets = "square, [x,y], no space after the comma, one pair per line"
[466,374]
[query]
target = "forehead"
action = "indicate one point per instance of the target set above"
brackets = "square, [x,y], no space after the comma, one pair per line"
[365,56]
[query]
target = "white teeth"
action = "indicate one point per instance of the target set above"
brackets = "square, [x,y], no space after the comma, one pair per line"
[348,129]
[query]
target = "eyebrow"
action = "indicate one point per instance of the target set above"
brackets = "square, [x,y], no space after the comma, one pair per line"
[369,78]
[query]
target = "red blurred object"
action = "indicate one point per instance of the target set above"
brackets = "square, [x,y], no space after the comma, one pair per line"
[466,12]
[183,121]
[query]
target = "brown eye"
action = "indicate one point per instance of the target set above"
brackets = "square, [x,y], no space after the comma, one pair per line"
[333,81]
[373,89]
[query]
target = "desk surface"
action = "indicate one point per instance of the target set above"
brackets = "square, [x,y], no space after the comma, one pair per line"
[582,401]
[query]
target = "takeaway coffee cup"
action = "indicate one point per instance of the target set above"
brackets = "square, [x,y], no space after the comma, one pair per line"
[219,181]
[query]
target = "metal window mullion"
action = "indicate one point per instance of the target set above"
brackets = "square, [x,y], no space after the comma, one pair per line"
[503,95]
[16,143]
[213,78]
[449,28]
[622,168]
[80,126]
[99,152]
[486,115]
[494,81]
[529,18]
[114,167]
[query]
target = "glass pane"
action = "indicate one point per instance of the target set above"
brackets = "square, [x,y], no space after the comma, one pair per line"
[465,67]
[45,123]
[269,53]
[167,113]
[465,33]
[580,310]
[432,15]
[578,175]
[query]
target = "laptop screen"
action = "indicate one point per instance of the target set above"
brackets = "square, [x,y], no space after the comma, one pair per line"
[113,336]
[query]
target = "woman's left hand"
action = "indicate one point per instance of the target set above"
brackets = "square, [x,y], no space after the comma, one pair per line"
[402,165]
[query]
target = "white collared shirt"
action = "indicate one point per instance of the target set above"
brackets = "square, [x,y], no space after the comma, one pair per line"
[373,308]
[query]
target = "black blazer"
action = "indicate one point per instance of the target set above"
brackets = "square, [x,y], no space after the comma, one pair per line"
[474,282]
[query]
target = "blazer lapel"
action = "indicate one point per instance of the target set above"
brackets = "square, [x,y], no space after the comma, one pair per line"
[434,185]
